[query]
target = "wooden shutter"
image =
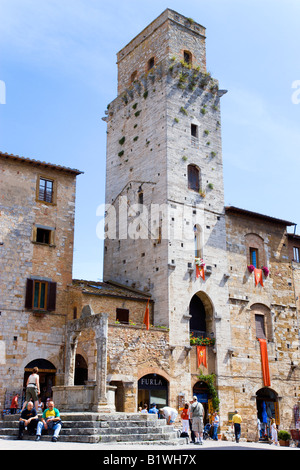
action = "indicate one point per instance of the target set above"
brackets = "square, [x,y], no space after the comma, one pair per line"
[29,294]
[51,299]
[260,326]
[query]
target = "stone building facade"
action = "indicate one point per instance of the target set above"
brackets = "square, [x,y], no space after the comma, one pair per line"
[37,210]
[165,213]
[171,246]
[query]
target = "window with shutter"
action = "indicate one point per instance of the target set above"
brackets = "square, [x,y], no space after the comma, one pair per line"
[260,326]
[51,305]
[29,294]
[40,295]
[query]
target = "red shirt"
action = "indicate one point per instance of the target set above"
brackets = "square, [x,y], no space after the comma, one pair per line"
[14,402]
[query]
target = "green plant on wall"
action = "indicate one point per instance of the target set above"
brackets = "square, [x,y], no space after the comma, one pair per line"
[210,382]
[122,141]
[183,110]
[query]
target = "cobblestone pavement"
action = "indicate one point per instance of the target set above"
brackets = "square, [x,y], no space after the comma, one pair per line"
[115,448]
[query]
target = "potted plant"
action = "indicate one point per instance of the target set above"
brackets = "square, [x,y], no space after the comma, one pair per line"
[251,268]
[284,438]
[265,271]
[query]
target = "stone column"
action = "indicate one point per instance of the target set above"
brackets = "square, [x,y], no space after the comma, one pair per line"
[101,373]
[71,348]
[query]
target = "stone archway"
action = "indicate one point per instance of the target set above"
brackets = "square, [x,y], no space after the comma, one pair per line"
[201,311]
[267,405]
[47,375]
[97,396]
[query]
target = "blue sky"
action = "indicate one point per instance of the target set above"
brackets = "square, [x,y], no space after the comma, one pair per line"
[58,62]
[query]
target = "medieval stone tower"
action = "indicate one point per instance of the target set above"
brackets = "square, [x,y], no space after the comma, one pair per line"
[164,183]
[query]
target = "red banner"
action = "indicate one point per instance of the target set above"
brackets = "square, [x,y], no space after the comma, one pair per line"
[258,277]
[201,356]
[200,272]
[147,316]
[265,362]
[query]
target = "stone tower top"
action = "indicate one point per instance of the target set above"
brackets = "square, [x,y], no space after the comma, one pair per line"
[169,35]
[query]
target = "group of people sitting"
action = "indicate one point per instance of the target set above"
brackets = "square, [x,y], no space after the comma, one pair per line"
[29,421]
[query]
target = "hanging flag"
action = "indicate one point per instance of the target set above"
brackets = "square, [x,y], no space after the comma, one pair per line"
[147,316]
[265,362]
[200,272]
[258,277]
[201,356]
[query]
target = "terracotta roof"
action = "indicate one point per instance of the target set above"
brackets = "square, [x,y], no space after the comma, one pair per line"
[39,163]
[267,218]
[109,289]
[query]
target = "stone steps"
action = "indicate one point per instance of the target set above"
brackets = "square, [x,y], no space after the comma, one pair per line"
[109,428]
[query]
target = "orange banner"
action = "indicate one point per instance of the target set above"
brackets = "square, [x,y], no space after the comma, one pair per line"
[147,316]
[200,272]
[201,356]
[265,362]
[258,277]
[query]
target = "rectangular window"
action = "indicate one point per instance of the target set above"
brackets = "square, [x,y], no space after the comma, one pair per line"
[46,190]
[296,254]
[123,316]
[194,131]
[260,326]
[40,295]
[254,257]
[43,236]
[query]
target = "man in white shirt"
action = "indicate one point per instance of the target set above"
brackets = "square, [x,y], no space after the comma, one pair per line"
[170,414]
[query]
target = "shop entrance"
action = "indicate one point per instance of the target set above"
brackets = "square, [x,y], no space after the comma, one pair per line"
[203,395]
[267,408]
[153,388]
[47,372]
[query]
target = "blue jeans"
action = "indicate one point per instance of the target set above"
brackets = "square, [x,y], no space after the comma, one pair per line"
[237,431]
[56,427]
[215,433]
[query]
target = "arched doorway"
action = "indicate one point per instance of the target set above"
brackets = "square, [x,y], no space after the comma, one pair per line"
[267,408]
[201,312]
[153,388]
[47,373]
[81,370]
[201,391]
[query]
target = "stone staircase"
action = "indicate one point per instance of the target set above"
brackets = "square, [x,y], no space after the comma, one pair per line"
[130,428]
